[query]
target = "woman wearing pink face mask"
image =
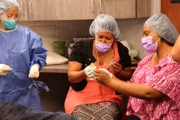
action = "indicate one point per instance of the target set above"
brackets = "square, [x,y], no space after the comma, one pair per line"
[155,85]
[87,99]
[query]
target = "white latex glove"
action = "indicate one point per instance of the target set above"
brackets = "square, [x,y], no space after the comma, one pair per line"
[105,70]
[34,71]
[89,71]
[4,69]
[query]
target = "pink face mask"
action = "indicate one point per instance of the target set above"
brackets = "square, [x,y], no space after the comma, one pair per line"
[102,47]
[148,44]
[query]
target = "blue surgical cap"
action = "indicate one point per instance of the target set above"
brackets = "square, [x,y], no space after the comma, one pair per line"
[5,4]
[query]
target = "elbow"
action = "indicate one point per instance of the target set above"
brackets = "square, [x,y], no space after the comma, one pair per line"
[73,78]
[175,57]
[148,96]
[153,95]
[70,78]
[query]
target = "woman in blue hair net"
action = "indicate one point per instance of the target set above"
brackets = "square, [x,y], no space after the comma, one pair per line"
[87,99]
[22,55]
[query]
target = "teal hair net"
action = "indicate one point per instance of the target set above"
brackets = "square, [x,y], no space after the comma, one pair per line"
[5,4]
[163,26]
[104,22]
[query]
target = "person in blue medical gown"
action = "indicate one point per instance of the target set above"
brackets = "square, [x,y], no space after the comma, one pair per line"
[22,55]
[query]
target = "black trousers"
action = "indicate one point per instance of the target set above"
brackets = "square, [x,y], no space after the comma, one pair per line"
[133,117]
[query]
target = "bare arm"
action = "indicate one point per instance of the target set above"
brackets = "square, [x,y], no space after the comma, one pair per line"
[134,90]
[176,51]
[120,73]
[125,74]
[75,74]
[126,88]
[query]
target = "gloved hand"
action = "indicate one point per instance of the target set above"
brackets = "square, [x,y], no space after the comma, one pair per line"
[103,76]
[34,71]
[106,71]
[4,69]
[89,71]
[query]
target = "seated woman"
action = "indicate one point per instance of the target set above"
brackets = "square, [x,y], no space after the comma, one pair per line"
[11,111]
[155,85]
[87,99]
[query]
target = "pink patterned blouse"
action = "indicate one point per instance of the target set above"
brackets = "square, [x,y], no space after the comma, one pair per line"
[164,77]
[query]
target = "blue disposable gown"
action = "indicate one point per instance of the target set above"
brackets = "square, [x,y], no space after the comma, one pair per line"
[20,49]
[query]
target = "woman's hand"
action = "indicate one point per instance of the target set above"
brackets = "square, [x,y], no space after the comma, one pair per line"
[34,71]
[115,67]
[89,71]
[102,76]
[4,69]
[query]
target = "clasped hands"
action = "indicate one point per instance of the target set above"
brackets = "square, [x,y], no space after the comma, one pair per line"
[102,75]
[89,71]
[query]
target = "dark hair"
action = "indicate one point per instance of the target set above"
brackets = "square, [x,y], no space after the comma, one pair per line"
[11,111]
[167,42]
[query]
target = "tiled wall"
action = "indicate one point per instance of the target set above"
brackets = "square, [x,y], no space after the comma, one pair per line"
[131,31]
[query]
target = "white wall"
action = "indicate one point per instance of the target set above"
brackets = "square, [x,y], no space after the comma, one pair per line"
[131,31]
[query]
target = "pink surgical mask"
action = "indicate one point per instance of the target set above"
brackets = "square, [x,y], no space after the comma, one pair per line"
[148,44]
[102,47]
